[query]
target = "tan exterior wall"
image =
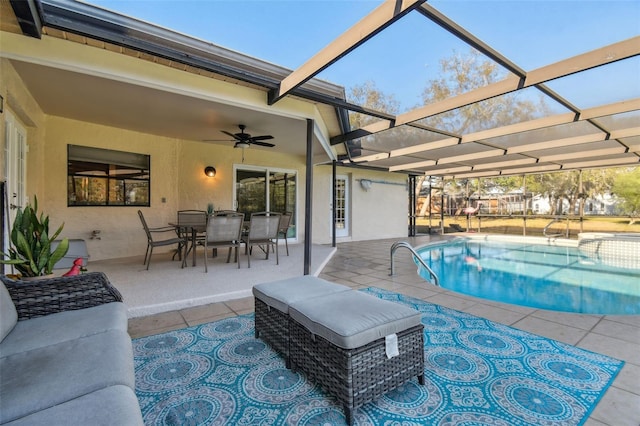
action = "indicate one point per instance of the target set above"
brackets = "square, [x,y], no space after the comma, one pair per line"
[121,231]
[21,104]
[177,176]
[380,212]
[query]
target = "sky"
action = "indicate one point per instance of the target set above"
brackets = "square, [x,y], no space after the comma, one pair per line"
[406,56]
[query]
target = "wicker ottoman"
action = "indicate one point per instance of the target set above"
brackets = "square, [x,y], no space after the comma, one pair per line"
[357,347]
[272,302]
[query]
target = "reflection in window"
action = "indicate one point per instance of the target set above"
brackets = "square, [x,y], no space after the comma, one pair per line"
[104,177]
[253,194]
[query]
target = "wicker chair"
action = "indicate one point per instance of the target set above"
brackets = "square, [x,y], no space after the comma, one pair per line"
[223,230]
[152,242]
[263,232]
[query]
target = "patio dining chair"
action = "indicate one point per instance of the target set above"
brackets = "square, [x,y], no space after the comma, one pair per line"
[223,230]
[283,228]
[263,232]
[192,225]
[153,241]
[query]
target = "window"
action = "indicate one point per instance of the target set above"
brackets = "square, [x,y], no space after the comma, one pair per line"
[104,177]
[259,189]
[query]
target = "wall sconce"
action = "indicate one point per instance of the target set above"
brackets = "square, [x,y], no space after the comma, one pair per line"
[210,171]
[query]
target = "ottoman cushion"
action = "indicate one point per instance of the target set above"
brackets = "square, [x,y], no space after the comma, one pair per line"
[281,294]
[353,319]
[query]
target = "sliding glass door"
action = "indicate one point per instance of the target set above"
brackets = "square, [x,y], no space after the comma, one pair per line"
[262,189]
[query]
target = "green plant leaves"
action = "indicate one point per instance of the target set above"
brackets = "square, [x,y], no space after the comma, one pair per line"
[31,252]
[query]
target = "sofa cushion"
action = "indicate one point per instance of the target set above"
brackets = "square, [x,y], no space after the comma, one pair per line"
[352,319]
[281,294]
[8,313]
[113,406]
[41,378]
[63,326]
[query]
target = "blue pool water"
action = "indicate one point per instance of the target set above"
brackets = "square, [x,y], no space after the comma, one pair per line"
[535,275]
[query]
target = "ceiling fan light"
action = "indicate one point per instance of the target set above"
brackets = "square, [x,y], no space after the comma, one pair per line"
[241,145]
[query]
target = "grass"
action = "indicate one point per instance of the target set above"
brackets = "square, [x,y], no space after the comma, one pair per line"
[535,225]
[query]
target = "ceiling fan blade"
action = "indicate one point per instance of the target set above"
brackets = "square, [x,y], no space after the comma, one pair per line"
[230,134]
[262,138]
[218,140]
[254,142]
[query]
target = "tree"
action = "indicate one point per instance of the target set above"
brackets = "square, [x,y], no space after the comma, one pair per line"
[369,96]
[462,73]
[626,186]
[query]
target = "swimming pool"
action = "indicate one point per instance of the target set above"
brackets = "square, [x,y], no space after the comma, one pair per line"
[533,272]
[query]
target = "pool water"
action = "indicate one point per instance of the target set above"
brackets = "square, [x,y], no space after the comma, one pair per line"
[535,275]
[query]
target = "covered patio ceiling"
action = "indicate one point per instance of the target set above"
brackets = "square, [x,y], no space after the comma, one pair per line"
[591,130]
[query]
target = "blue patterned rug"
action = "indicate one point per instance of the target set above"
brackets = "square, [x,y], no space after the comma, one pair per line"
[477,372]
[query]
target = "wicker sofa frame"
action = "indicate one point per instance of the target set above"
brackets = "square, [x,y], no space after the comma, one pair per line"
[356,376]
[52,295]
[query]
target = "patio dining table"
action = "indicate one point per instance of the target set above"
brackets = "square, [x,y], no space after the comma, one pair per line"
[192,230]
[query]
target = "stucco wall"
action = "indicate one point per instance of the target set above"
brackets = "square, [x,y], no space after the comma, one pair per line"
[121,231]
[19,101]
[177,176]
[380,212]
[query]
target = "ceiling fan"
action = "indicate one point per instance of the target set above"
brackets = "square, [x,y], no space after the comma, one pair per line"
[244,140]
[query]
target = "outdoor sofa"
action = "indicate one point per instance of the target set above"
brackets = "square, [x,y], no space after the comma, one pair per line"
[65,354]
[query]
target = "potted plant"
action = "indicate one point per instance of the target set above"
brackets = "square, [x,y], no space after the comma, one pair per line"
[31,252]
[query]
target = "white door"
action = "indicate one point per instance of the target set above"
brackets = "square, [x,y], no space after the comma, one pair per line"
[15,170]
[342,207]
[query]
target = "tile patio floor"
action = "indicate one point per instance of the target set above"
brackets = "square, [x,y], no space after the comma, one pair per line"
[364,264]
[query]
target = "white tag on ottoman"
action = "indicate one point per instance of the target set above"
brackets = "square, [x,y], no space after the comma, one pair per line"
[391,345]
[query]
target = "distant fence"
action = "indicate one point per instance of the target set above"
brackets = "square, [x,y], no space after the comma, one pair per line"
[532,225]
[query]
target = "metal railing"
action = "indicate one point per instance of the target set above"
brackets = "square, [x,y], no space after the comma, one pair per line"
[408,246]
[556,235]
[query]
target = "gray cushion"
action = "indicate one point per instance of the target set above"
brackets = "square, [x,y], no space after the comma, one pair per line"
[8,313]
[281,294]
[352,319]
[41,378]
[55,328]
[112,406]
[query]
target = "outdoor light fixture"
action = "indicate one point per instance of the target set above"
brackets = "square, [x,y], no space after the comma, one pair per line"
[365,184]
[210,171]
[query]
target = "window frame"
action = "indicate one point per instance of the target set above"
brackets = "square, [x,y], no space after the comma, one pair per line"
[109,178]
